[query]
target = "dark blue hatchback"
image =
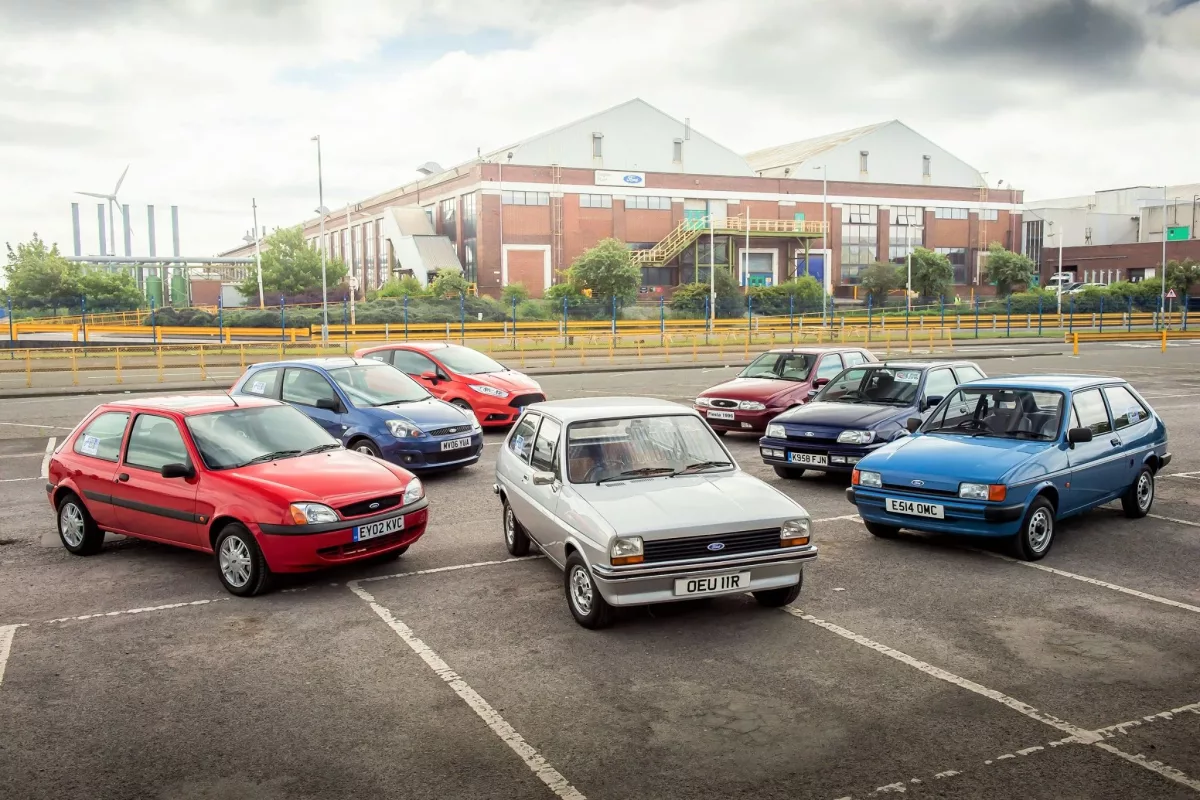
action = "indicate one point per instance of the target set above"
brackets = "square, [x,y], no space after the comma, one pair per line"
[372,408]
[857,412]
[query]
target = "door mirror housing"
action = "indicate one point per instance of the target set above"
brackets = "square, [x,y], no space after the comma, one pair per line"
[819,382]
[329,404]
[177,471]
[913,424]
[541,478]
[429,375]
[1079,435]
[931,401]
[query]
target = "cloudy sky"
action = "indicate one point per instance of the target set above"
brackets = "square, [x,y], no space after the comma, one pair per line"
[213,102]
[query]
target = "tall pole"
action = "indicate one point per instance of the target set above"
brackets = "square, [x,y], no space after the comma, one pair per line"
[908,252]
[353,289]
[747,256]
[257,254]
[322,211]
[712,270]
[1060,269]
[1162,303]
[825,242]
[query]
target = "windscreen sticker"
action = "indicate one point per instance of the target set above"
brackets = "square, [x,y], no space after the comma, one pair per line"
[1134,413]
[90,446]
[258,387]
[908,376]
[519,444]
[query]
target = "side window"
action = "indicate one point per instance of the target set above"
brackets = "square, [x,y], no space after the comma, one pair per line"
[1089,407]
[381,355]
[1074,419]
[939,383]
[264,383]
[102,437]
[830,366]
[968,374]
[155,442]
[545,448]
[854,359]
[521,441]
[1126,409]
[412,363]
[305,387]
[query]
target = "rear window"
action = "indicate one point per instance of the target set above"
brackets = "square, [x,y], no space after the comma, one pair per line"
[102,437]
[1125,407]
[264,383]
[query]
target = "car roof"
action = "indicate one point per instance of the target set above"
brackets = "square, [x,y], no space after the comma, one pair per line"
[324,362]
[919,364]
[190,404]
[1067,383]
[586,408]
[815,350]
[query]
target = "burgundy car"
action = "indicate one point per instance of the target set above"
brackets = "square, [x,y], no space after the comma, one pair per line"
[774,382]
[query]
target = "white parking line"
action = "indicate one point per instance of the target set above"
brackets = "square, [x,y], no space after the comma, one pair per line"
[6,638]
[553,779]
[1167,771]
[17,480]
[144,610]
[1176,521]
[46,458]
[1122,728]
[446,569]
[42,427]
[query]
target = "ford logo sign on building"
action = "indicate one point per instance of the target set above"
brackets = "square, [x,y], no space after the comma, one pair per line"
[606,177]
[715,546]
[632,179]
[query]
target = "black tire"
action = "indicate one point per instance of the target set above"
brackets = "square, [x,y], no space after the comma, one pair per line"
[1140,497]
[596,612]
[791,473]
[515,538]
[1036,535]
[777,598]
[237,554]
[463,404]
[76,529]
[882,531]
[366,447]
[720,433]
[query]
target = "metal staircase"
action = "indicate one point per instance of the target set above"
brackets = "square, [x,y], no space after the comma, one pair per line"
[689,230]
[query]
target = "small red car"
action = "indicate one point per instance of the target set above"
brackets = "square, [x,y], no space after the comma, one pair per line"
[774,382]
[464,377]
[252,480]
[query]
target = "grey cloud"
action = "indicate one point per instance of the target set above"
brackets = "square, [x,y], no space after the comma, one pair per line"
[17,132]
[60,16]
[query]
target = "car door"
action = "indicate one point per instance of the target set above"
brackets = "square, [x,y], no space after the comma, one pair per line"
[304,388]
[1132,423]
[147,504]
[543,523]
[416,366]
[1096,469]
[97,451]
[515,471]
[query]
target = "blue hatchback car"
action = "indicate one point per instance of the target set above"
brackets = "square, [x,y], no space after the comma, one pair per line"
[372,408]
[1009,458]
[859,411]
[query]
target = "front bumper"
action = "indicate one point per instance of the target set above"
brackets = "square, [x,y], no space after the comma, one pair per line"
[496,412]
[417,455]
[838,457]
[295,548]
[962,517]
[755,421]
[647,584]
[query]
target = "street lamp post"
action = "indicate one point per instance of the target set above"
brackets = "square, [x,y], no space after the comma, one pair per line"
[324,212]
[1162,302]
[826,256]
[254,237]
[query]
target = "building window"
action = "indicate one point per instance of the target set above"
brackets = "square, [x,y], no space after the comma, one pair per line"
[470,269]
[860,240]
[950,213]
[958,260]
[862,161]
[595,201]
[926,166]
[470,212]
[989,214]
[677,151]
[525,198]
[429,214]
[355,264]
[597,145]
[658,276]
[383,265]
[907,232]
[650,203]
[449,208]
[369,248]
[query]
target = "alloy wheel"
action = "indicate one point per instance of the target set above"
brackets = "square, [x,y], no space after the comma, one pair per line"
[235,561]
[510,526]
[581,590]
[70,522]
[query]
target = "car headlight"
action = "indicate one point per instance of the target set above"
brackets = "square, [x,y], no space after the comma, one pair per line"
[312,513]
[414,491]
[776,431]
[751,405]
[491,391]
[982,491]
[703,401]
[795,532]
[869,479]
[626,550]
[856,437]
[403,429]
[475,426]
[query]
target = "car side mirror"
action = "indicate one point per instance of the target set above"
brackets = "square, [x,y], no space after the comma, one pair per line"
[913,424]
[931,402]
[177,471]
[819,382]
[429,376]
[329,404]
[543,478]
[1079,435]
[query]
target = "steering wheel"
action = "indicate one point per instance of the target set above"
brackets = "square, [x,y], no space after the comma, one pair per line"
[972,423]
[602,468]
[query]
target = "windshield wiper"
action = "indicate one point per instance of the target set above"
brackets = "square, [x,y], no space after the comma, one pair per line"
[271,457]
[701,465]
[398,402]
[644,472]
[321,448]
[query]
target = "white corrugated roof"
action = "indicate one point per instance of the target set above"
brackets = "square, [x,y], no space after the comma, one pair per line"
[785,155]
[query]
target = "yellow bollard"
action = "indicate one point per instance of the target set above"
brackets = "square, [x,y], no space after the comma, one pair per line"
[521,345]
[667,346]
[721,348]
[931,341]
[1164,339]
[639,346]
[950,340]
[887,337]
[694,347]
[281,349]
[74,369]
[203,372]
[158,354]
[910,341]
[746,354]
[228,336]
[28,369]
[552,354]
[1075,348]
[612,341]
[242,356]
[581,351]
[118,353]
[820,334]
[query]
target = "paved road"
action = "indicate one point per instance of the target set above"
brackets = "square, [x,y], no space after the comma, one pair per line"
[918,664]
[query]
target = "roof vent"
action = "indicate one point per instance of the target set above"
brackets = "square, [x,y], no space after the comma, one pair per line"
[430,168]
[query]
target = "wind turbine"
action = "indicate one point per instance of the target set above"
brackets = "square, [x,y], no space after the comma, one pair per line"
[112,199]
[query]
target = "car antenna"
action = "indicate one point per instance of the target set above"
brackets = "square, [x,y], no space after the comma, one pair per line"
[226,391]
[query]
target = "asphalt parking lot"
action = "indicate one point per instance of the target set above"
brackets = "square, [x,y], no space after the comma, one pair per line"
[921,666]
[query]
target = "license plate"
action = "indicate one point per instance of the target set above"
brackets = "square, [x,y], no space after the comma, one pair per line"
[809,458]
[915,509]
[714,414]
[456,444]
[712,584]
[381,528]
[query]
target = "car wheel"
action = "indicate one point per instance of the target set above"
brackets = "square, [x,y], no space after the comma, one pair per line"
[1137,501]
[791,473]
[240,564]
[515,538]
[1036,535]
[463,404]
[366,447]
[587,605]
[776,598]
[720,433]
[882,531]
[77,529]
[390,555]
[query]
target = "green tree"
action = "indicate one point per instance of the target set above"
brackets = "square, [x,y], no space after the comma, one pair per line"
[39,277]
[110,291]
[291,267]
[932,273]
[690,297]
[408,286]
[1183,275]
[565,289]
[1007,269]
[879,279]
[448,283]
[607,270]
[514,291]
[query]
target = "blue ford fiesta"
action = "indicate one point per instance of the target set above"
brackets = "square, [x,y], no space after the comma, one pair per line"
[1011,457]
[372,408]
[860,410]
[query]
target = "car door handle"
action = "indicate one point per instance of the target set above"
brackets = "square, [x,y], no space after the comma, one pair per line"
[524,479]
[124,476]
[1115,442]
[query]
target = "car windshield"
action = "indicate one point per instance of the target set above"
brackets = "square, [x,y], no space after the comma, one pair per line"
[642,447]
[241,436]
[879,385]
[1003,413]
[466,361]
[377,385]
[780,366]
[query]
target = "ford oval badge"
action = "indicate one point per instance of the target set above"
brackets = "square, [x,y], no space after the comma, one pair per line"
[918,483]
[715,546]
[373,506]
[809,433]
[632,179]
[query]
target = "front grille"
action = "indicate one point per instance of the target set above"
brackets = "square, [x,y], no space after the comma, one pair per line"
[372,506]
[800,436]
[448,431]
[697,546]
[522,400]
[909,489]
[718,403]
